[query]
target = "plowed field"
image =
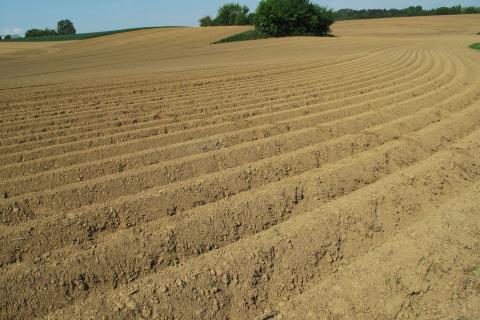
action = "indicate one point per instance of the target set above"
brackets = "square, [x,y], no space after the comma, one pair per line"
[152,175]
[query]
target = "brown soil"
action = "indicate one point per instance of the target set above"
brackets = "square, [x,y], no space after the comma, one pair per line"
[153,175]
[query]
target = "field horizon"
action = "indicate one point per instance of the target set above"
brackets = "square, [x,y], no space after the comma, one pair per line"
[150,174]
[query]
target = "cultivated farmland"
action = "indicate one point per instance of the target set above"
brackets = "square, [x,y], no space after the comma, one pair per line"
[151,174]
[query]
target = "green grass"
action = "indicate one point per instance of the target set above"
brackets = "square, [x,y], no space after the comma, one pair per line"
[244,36]
[80,36]
[475,46]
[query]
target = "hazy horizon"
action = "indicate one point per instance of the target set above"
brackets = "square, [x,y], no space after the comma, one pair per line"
[89,16]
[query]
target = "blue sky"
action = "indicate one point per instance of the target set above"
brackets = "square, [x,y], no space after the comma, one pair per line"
[97,15]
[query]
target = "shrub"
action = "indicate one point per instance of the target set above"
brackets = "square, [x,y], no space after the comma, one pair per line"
[40,33]
[293,18]
[65,27]
[243,36]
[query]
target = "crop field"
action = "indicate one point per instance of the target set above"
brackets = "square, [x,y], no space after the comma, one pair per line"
[152,174]
[79,36]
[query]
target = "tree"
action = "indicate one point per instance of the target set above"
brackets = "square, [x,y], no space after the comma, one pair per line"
[470,10]
[251,18]
[65,27]
[206,21]
[0,37]
[231,14]
[292,18]
[8,37]
[40,33]
[414,11]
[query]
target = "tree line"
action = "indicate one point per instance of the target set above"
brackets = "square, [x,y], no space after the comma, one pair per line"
[412,11]
[234,14]
[64,27]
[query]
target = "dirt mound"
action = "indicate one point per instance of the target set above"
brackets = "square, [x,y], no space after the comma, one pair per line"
[153,175]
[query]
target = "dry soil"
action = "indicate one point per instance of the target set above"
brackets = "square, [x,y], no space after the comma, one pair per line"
[151,174]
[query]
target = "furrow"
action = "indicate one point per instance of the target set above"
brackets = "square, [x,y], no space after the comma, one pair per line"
[176,95]
[213,87]
[107,188]
[167,200]
[252,121]
[415,256]
[363,170]
[191,113]
[137,160]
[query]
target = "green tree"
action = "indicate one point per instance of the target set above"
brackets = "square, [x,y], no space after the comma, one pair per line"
[206,21]
[347,14]
[65,27]
[414,11]
[293,17]
[231,14]
[251,18]
[40,33]
[448,10]
[8,37]
[470,10]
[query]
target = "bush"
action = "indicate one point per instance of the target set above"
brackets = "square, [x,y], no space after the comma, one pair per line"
[243,36]
[281,18]
[65,27]
[40,33]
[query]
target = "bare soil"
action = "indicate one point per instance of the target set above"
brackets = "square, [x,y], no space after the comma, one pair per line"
[153,175]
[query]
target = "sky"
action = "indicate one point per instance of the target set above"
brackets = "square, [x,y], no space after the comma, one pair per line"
[101,15]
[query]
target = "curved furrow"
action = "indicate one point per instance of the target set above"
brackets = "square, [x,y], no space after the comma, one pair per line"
[188,107]
[191,114]
[224,83]
[176,108]
[151,198]
[241,72]
[272,109]
[175,95]
[88,192]
[254,119]
[155,114]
